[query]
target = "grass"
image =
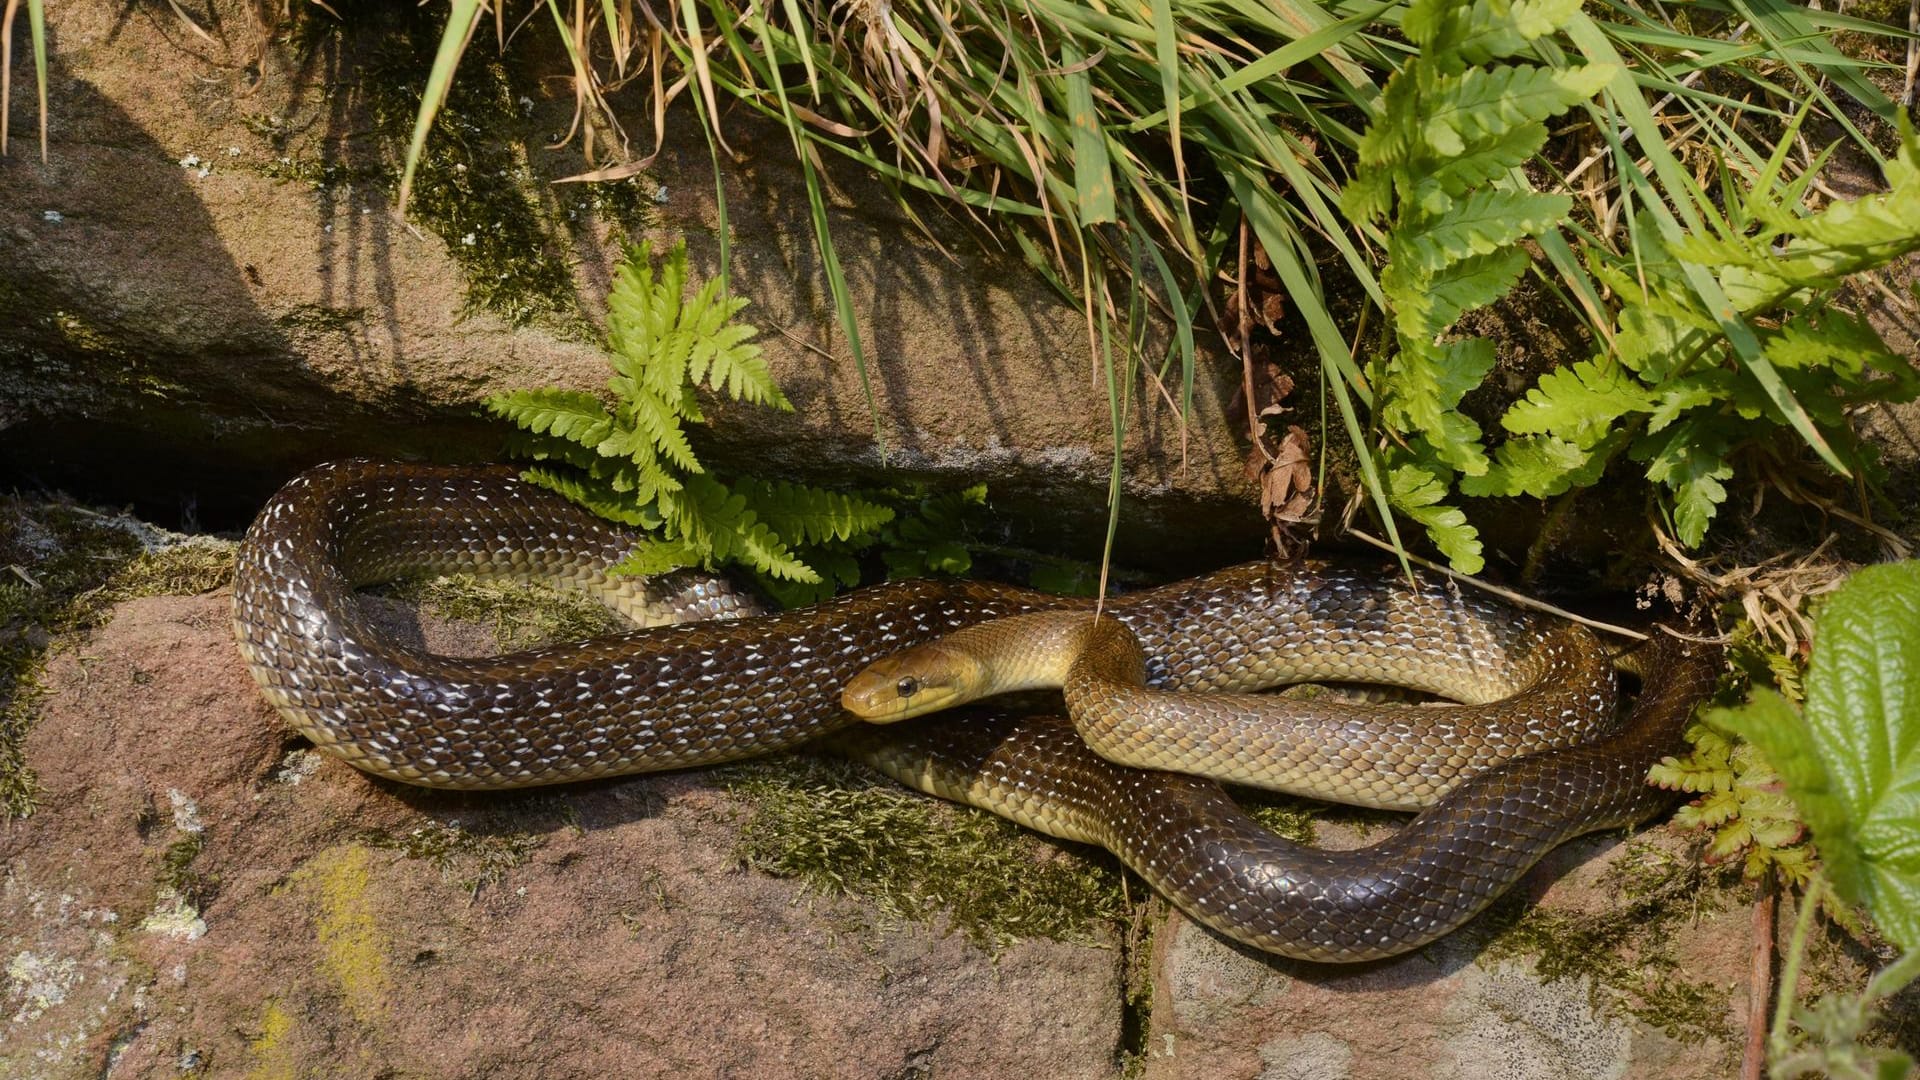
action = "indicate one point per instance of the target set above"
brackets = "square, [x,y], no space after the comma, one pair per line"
[1139,153]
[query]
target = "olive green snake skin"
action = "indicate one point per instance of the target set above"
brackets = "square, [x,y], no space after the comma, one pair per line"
[670,697]
[1556,687]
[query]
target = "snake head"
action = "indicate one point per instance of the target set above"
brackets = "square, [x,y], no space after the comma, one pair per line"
[920,680]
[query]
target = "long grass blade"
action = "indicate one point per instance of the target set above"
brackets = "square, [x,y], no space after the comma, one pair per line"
[823,236]
[1166,53]
[1272,64]
[1626,98]
[1092,174]
[462,17]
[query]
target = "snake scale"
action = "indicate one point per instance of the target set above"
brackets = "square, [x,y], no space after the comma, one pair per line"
[668,697]
[1555,687]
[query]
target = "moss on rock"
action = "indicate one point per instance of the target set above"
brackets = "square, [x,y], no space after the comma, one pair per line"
[838,828]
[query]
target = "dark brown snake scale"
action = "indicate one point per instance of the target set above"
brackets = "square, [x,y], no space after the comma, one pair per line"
[676,696]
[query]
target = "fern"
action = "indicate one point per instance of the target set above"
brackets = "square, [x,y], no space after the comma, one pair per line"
[1741,808]
[634,463]
[1438,167]
[1676,396]
[1452,123]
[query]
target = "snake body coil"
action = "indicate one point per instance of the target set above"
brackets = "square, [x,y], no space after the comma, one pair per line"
[676,696]
[1556,689]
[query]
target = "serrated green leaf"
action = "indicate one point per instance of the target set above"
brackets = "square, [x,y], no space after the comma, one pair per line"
[1479,31]
[1479,163]
[1711,812]
[594,494]
[810,515]
[1825,339]
[1541,466]
[1463,286]
[1478,224]
[652,557]
[1482,104]
[1579,403]
[938,557]
[1729,841]
[1852,765]
[1690,459]
[1863,705]
[1423,387]
[1650,342]
[1673,398]
[1416,491]
[565,414]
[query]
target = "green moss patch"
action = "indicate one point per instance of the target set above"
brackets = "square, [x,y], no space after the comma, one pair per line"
[177,873]
[839,829]
[61,567]
[520,614]
[476,186]
[1625,952]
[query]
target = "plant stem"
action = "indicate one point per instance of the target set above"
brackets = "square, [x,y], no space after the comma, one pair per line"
[1760,978]
[1790,971]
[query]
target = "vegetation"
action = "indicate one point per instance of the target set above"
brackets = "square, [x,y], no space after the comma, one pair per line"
[1395,166]
[1112,133]
[474,860]
[1850,761]
[632,462]
[1624,952]
[839,829]
[1674,384]
[61,568]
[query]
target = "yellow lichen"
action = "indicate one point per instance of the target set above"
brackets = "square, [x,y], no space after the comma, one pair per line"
[353,951]
[273,1058]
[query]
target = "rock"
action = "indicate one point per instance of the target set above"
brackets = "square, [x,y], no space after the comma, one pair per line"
[1452,1010]
[199,892]
[209,291]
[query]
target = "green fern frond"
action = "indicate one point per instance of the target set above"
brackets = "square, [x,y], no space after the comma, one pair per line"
[594,494]
[634,463]
[1541,466]
[655,419]
[1690,459]
[1418,491]
[565,414]
[1579,403]
[652,557]
[809,515]
[1479,224]
[1480,105]
[1424,306]
[716,520]
[1440,161]
[1486,29]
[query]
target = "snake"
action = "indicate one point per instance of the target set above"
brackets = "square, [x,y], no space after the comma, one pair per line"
[746,683]
[1555,687]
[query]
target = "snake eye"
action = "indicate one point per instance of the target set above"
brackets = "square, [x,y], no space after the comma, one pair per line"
[908,686]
